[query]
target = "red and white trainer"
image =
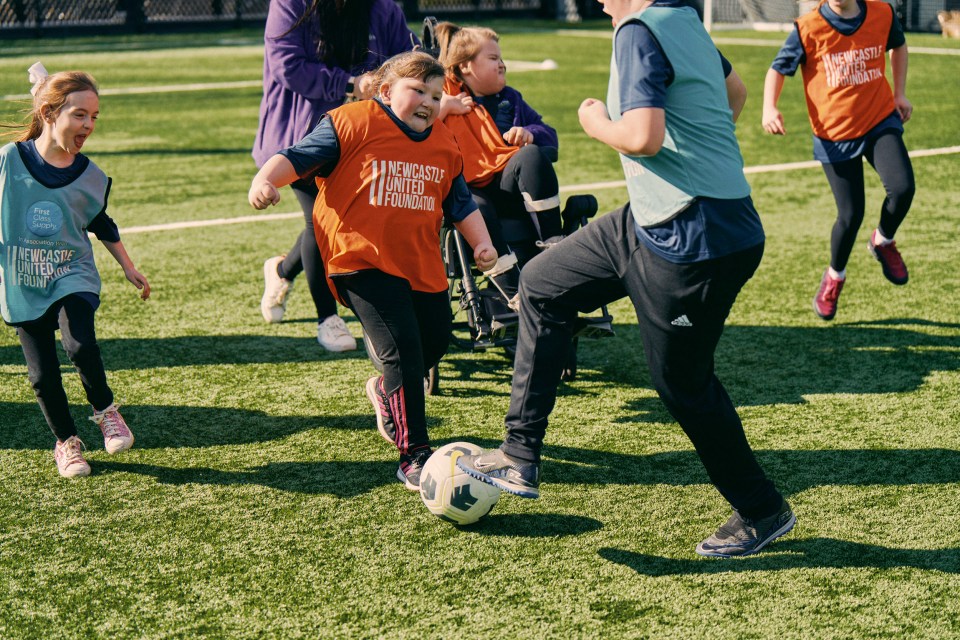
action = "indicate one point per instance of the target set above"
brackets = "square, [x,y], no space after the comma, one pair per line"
[69,458]
[894,269]
[116,434]
[825,302]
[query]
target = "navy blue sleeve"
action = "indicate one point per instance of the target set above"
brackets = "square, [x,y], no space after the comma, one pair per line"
[727,67]
[459,202]
[645,73]
[318,153]
[104,228]
[790,56]
[896,37]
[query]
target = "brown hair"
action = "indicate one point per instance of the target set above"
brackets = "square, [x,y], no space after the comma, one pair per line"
[461,44]
[51,94]
[412,64]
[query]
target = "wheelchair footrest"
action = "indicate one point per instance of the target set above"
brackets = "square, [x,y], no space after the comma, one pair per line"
[594,327]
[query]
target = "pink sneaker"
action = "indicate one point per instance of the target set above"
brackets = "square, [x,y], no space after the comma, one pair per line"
[116,434]
[69,458]
[890,261]
[825,302]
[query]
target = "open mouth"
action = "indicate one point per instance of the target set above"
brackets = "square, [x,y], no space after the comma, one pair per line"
[78,141]
[422,115]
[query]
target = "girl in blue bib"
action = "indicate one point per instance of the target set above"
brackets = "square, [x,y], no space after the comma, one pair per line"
[51,196]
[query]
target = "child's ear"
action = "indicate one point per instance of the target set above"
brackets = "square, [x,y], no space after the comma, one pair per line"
[384,92]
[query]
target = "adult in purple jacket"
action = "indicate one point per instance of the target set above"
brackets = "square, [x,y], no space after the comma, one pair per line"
[317,56]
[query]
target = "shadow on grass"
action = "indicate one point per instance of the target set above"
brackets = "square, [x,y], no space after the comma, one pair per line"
[758,365]
[813,553]
[534,525]
[22,426]
[341,479]
[188,351]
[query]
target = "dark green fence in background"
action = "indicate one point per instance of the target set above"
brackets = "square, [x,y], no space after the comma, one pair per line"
[63,17]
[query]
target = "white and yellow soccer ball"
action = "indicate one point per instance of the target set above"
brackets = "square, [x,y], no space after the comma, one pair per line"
[451,494]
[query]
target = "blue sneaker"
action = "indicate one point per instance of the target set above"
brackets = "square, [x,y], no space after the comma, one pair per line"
[741,536]
[519,477]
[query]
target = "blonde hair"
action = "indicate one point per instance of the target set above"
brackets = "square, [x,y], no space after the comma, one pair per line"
[412,64]
[461,44]
[49,98]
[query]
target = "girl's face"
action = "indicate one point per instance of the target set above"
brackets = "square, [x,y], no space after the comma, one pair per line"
[485,73]
[415,102]
[71,127]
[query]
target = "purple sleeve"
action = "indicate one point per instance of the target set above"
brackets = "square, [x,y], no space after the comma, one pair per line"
[389,24]
[525,116]
[292,58]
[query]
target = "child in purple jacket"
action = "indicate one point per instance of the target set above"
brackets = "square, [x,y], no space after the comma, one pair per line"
[317,55]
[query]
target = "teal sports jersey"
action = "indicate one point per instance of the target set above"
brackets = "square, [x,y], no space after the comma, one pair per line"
[700,156]
[45,252]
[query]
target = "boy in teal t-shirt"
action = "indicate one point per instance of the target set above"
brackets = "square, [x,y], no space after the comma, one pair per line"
[681,249]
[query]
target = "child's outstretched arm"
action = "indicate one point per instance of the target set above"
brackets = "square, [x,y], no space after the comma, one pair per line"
[275,173]
[474,231]
[772,118]
[139,280]
[898,65]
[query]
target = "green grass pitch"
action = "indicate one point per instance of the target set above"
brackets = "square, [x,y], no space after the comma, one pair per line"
[259,501]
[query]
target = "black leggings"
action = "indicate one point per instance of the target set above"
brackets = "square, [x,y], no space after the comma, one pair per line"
[528,175]
[888,156]
[410,331]
[74,316]
[305,254]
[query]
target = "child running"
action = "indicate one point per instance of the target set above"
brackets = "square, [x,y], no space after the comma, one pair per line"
[387,174]
[51,195]
[502,139]
[681,249]
[839,48]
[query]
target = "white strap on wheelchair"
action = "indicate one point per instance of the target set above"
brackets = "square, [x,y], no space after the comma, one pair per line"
[504,264]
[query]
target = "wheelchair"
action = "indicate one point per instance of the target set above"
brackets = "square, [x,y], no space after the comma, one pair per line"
[482,319]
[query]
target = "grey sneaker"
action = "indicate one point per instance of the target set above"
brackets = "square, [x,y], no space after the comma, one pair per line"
[411,466]
[741,536]
[519,477]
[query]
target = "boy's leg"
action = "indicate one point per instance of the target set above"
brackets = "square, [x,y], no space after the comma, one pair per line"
[79,339]
[554,286]
[681,310]
[433,318]
[846,182]
[889,157]
[384,305]
[39,343]
[530,175]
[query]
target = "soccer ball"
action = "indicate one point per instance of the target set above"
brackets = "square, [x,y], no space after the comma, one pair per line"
[451,494]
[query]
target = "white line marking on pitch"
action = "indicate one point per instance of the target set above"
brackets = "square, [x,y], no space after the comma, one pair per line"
[590,186]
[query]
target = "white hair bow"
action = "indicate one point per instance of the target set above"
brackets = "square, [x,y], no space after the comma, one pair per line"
[38,73]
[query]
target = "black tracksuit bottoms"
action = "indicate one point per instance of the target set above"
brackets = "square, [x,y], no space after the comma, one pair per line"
[410,331]
[681,309]
[38,338]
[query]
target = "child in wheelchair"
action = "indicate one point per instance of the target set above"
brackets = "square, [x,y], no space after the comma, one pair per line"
[509,153]
[508,150]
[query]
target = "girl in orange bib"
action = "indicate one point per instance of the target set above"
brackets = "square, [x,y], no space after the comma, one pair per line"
[387,175]
[839,48]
